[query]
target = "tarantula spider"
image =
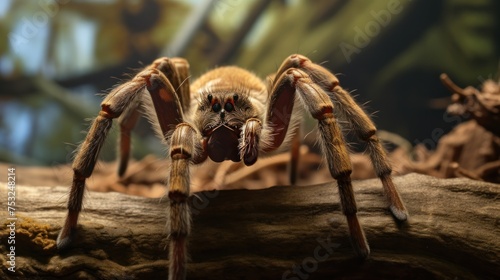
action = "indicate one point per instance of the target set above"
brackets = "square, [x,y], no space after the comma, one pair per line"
[230,114]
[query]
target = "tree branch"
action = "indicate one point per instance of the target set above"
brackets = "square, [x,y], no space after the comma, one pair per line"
[452,233]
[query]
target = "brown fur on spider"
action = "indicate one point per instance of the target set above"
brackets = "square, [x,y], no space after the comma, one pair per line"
[230,114]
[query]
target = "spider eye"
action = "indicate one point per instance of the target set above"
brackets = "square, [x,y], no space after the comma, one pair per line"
[216,107]
[235,97]
[210,98]
[228,107]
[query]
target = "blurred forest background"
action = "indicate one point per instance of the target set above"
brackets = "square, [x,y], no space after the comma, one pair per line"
[57,58]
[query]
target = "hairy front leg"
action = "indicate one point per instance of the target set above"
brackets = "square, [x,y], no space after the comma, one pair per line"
[82,169]
[185,148]
[334,147]
[366,131]
[354,117]
[83,164]
[294,81]
[119,101]
[171,96]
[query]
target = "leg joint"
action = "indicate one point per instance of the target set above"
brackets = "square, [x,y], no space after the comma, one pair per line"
[183,145]
[177,197]
[179,153]
[324,112]
[107,112]
[369,135]
[343,176]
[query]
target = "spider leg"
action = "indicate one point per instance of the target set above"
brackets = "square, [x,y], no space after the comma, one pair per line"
[185,147]
[249,146]
[83,164]
[366,131]
[127,121]
[294,81]
[123,98]
[176,71]
[357,119]
[295,155]
[296,133]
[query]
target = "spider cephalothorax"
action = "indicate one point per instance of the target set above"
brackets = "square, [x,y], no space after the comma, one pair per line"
[230,114]
[224,102]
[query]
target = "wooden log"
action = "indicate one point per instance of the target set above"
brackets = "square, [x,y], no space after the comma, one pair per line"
[277,233]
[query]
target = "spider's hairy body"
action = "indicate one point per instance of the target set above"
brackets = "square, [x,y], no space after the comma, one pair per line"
[231,114]
[236,95]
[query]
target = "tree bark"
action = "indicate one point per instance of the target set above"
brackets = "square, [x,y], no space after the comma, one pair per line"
[277,233]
